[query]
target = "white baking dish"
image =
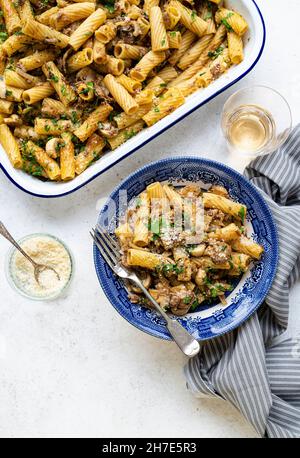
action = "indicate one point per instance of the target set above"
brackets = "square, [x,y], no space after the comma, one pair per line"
[254,44]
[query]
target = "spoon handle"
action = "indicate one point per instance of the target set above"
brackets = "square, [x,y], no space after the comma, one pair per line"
[9,237]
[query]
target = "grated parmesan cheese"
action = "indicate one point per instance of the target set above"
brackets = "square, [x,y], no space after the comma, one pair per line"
[44,250]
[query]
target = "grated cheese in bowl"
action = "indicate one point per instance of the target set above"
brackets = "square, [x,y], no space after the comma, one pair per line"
[44,249]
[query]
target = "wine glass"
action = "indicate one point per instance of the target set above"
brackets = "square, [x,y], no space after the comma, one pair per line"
[255,121]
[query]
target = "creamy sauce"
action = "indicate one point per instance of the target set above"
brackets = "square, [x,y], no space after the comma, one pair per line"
[44,250]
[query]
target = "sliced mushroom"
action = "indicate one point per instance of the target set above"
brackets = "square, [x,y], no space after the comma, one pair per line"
[198,250]
[86,74]
[27,77]
[200,277]
[14,120]
[52,147]
[107,129]
[146,282]
[179,253]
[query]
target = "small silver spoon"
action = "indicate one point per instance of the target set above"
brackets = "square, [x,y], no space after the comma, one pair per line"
[38,268]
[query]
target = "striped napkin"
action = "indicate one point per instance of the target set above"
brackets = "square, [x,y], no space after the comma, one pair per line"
[257,366]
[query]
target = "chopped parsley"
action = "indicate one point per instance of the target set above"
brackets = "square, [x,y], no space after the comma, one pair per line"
[225,22]
[53,77]
[207,281]
[170,268]
[3,36]
[129,134]
[33,168]
[63,90]
[193,15]
[163,42]
[242,214]
[155,237]
[187,300]
[8,93]
[194,305]
[112,114]
[208,16]
[172,34]
[74,118]
[110,6]
[217,289]
[190,248]
[156,110]
[89,87]
[59,146]
[214,54]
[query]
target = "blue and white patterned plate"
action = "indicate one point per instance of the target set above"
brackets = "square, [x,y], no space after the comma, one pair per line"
[214,319]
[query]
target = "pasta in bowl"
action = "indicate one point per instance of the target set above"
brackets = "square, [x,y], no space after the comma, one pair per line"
[192,245]
[211,277]
[82,78]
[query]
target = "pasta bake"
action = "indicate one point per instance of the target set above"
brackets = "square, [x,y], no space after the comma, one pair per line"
[188,245]
[79,78]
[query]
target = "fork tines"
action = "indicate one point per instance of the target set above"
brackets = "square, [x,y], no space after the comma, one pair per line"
[107,246]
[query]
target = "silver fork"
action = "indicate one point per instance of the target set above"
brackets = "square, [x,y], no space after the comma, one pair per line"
[38,268]
[110,252]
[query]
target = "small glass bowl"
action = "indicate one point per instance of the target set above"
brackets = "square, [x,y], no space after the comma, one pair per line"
[16,287]
[269,102]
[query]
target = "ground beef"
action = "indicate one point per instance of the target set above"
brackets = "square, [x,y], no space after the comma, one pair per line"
[219,252]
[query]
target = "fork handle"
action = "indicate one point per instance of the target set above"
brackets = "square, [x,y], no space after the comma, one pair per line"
[187,343]
[9,237]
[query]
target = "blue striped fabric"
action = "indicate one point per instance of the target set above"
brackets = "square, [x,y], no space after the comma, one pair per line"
[257,366]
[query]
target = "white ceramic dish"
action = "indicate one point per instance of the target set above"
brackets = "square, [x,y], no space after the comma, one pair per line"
[254,44]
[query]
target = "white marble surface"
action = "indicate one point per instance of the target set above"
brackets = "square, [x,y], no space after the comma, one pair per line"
[74,367]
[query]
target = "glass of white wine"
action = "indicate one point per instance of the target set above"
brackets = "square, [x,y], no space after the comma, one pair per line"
[256,120]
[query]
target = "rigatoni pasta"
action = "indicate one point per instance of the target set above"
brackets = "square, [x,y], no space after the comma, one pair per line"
[87,28]
[50,166]
[159,37]
[232,20]
[235,47]
[91,151]
[11,16]
[36,60]
[67,157]
[86,74]
[11,146]
[45,33]
[120,94]
[71,13]
[182,274]
[190,19]
[64,90]
[37,93]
